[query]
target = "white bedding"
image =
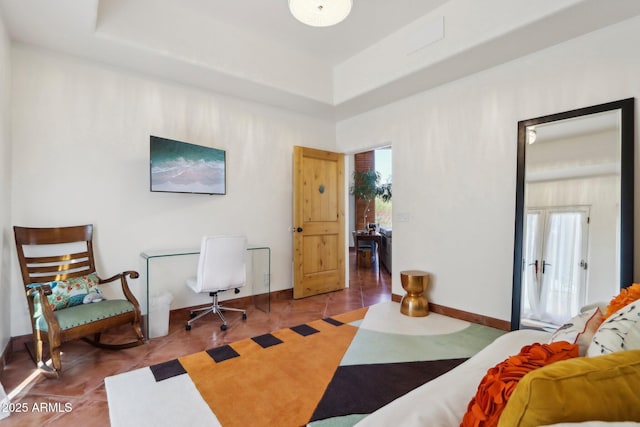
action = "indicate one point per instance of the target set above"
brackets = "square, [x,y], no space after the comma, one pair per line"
[443,401]
[598,424]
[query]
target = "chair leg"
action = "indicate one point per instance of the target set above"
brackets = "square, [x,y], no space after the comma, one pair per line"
[55,358]
[217,309]
[49,371]
[39,347]
[204,311]
[45,369]
[239,310]
[138,330]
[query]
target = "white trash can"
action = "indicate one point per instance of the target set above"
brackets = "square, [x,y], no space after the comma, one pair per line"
[159,314]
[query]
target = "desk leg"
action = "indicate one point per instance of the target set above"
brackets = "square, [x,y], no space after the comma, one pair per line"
[378,255]
[146,319]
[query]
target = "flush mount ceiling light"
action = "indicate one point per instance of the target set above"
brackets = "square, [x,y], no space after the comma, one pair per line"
[320,13]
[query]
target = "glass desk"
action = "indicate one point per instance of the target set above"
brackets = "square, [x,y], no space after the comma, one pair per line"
[258,274]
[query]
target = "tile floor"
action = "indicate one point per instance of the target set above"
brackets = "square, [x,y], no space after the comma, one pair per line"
[78,398]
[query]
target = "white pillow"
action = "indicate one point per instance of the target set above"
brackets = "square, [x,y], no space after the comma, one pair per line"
[601,305]
[621,331]
[580,329]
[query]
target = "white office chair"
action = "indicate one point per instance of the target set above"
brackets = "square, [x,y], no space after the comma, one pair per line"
[221,267]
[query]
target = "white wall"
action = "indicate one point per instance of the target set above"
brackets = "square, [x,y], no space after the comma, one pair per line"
[6,237]
[81,155]
[454,160]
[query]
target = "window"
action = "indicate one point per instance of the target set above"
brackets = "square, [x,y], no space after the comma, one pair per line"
[383,166]
[555,263]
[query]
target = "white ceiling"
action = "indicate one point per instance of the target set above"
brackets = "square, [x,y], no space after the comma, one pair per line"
[369,22]
[255,49]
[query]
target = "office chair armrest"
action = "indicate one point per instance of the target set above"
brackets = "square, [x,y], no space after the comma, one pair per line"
[124,284]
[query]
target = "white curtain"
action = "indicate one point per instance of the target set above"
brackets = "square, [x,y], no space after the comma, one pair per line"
[531,268]
[553,277]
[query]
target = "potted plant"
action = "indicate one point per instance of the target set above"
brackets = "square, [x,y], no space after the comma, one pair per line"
[366,186]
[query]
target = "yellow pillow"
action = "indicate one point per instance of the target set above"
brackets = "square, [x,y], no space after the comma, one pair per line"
[603,388]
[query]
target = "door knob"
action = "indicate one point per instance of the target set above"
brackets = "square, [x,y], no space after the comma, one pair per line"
[299,229]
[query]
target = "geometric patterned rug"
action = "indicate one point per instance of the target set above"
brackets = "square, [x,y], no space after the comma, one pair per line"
[326,373]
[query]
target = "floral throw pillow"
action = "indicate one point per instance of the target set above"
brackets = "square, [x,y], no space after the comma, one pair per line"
[69,292]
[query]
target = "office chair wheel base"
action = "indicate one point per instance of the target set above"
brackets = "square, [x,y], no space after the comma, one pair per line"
[223,327]
[192,315]
[244,316]
[187,328]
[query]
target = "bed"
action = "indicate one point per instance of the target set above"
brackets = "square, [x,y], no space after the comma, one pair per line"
[596,385]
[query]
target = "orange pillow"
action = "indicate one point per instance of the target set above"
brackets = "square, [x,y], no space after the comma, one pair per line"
[496,387]
[624,298]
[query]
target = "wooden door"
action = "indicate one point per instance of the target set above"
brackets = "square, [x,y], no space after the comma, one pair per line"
[318,221]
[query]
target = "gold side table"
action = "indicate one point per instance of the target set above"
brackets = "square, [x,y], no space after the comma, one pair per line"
[414,303]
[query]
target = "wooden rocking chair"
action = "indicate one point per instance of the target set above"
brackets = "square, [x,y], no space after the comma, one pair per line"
[58,268]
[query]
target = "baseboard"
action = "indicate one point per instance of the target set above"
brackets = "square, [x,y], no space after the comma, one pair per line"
[15,343]
[464,315]
[18,343]
[283,295]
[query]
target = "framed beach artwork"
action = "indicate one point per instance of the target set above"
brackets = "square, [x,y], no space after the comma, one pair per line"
[181,167]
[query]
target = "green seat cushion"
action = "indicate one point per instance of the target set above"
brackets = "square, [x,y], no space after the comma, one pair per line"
[86,313]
